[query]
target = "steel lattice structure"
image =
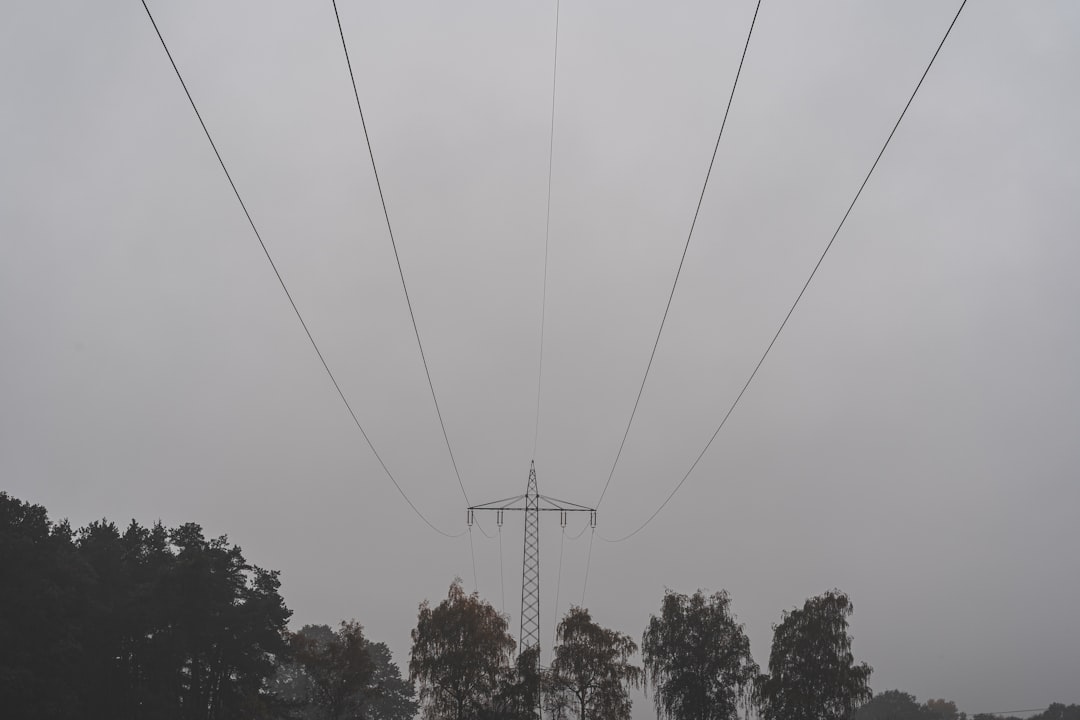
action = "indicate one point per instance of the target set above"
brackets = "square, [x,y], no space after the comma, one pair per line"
[532,503]
[529,635]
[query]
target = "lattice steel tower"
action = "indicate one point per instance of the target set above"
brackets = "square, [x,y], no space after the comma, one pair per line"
[532,503]
[530,566]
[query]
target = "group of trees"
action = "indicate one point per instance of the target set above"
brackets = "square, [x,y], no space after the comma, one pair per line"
[1056,711]
[141,623]
[331,674]
[701,668]
[159,623]
[462,660]
[697,662]
[154,623]
[897,705]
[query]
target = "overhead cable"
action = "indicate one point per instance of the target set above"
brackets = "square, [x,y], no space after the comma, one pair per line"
[588,564]
[682,259]
[397,257]
[1006,713]
[558,587]
[472,553]
[801,291]
[502,575]
[483,532]
[581,532]
[547,231]
[281,281]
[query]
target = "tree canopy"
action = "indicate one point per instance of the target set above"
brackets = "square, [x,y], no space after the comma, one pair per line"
[891,705]
[146,623]
[591,673]
[1056,711]
[896,705]
[158,623]
[518,698]
[812,673]
[460,656]
[339,674]
[698,659]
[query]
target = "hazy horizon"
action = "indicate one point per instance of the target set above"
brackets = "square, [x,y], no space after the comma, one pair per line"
[911,438]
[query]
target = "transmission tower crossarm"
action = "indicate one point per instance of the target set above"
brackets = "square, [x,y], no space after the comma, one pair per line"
[554,505]
[565,505]
[497,504]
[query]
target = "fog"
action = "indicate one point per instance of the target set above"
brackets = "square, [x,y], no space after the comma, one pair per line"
[910,439]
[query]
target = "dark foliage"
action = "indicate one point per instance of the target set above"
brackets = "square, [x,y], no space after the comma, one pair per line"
[896,705]
[460,656]
[1056,711]
[146,623]
[591,674]
[698,659]
[334,675]
[812,674]
[892,705]
[519,694]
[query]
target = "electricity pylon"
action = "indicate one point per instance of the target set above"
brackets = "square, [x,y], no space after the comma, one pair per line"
[532,503]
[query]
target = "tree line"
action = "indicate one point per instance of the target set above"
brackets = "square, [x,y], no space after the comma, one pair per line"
[696,662]
[156,623]
[897,705]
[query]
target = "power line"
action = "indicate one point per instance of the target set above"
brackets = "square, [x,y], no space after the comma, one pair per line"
[482,530]
[281,280]
[804,287]
[682,259]
[472,553]
[588,564]
[558,587]
[502,575]
[397,257]
[547,231]
[1013,712]
[581,531]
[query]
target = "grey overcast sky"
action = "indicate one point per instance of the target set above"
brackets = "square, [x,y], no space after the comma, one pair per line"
[911,439]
